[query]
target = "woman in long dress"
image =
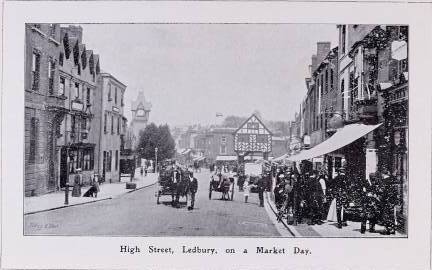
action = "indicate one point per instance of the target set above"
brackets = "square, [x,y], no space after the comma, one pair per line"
[76,191]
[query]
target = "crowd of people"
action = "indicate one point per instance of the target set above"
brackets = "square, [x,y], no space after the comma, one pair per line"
[313,197]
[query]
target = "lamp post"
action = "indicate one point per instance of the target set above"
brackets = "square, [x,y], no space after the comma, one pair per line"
[156,159]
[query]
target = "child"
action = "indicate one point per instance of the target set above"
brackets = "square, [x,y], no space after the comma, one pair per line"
[246,189]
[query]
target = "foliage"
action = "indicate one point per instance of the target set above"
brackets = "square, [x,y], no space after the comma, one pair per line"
[153,136]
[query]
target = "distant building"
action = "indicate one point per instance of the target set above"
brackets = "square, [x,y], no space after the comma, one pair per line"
[140,116]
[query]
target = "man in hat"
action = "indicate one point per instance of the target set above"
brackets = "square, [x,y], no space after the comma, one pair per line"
[192,190]
[341,195]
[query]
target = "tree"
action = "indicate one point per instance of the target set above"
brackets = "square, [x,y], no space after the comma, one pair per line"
[233,121]
[153,136]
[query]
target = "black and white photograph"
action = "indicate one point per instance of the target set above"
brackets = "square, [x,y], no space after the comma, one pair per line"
[291,130]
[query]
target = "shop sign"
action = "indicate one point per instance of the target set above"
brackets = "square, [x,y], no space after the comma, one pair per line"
[77,106]
[115,109]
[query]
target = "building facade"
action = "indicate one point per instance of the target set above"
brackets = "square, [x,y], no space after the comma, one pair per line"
[112,126]
[43,108]
[78,73]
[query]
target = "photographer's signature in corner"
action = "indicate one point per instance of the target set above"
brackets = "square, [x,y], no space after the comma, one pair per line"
[40,226]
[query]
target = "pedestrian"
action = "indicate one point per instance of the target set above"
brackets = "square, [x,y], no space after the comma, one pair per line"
[145,170]
[389,199]
[141,171]
[322,187]
[370,204]
[192,190]
[298,199]
[315,199]
[94,188]
[279,192]
[261,188]
[76,191]
[246,189]
[341,195]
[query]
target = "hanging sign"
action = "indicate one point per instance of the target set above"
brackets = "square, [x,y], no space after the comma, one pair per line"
[399,50]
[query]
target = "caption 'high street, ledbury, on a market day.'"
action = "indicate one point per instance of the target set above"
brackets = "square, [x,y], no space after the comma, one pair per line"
[247,130]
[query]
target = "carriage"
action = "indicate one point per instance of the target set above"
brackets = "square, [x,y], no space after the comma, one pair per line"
[167,186]
[223,183]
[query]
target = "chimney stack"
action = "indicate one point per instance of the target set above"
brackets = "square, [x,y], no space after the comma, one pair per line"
[314,64]
[323,48]
[74,31]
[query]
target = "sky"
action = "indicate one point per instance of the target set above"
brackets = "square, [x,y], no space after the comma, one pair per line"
[190,72]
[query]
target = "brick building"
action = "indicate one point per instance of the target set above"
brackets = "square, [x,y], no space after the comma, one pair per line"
[77,81]
[44,107]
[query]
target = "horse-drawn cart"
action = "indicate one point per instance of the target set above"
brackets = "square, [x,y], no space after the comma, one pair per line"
[224,184]
[172,182]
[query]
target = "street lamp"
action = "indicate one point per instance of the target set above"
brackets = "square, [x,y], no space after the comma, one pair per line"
[156,152]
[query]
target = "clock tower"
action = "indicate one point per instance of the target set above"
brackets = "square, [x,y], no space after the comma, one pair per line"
[140,115]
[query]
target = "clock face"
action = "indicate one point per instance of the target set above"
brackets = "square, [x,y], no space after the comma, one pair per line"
[140,113]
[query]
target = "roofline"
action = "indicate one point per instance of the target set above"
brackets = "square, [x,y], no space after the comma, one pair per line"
[259,120]
[106,74]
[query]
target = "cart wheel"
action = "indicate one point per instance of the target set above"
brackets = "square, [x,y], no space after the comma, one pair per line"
[232,192]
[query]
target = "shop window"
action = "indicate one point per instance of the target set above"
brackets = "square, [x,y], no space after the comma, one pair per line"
[62,86]
[88,160]
[34,135]
[35,70]
[84,124]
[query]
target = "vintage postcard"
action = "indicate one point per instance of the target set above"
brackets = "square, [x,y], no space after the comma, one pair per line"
[186,141]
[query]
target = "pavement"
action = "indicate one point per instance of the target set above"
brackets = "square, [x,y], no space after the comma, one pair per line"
[55,200]
[138,214]
[329,228]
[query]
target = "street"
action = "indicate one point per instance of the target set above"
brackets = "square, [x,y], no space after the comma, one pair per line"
[137,214]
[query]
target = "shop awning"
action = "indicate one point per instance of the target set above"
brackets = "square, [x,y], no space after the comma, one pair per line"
[284,156]
[341,138]
[226,158]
